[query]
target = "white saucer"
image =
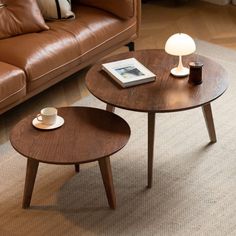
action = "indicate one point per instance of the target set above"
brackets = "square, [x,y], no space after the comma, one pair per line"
[59,122]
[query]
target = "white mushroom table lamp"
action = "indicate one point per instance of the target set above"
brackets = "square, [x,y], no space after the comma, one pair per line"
[180,44]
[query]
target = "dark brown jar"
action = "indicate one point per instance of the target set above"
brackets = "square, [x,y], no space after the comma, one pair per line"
[195,72]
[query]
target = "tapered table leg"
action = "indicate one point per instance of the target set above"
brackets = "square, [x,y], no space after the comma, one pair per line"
[110,108]
[105,167]
[31,172]
[207,112]
[77,168]
[151,135]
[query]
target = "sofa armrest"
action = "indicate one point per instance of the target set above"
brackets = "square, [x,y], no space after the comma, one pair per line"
[124,9]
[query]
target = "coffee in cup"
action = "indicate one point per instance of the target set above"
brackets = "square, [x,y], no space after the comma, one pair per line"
[47,116]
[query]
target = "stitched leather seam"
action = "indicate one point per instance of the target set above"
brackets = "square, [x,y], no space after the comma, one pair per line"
[13,94]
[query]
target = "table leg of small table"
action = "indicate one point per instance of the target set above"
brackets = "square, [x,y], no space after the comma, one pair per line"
[105,167]
[207,112]
[31,172]
[151,135]
[110,108]
[77,168]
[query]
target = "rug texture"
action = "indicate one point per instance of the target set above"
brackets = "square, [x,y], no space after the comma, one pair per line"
[194,188]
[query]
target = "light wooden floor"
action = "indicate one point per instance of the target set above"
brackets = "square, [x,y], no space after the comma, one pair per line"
[213,23]
[160,19]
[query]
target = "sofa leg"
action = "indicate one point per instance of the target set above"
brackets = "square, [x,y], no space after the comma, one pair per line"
[131,46]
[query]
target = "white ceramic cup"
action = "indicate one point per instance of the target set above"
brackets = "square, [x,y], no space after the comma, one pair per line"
[48,115]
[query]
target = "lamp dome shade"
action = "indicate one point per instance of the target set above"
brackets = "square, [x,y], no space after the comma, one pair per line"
[180,44]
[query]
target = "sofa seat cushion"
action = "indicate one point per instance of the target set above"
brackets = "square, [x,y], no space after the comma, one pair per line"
[12,84]
[42,56]
[96,30]
[46,55]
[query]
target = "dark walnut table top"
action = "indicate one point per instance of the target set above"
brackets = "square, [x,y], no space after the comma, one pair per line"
[167,93]
[88,134]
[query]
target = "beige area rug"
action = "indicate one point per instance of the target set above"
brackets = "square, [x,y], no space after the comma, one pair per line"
[194,190]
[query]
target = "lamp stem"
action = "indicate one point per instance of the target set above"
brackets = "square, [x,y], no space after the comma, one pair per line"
[180,65]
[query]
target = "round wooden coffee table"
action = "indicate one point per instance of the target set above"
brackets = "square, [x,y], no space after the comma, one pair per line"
[88,135]
[166,94]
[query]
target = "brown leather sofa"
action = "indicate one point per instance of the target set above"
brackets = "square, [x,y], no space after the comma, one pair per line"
[32,62]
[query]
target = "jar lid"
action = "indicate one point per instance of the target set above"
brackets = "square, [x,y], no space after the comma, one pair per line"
[196,64]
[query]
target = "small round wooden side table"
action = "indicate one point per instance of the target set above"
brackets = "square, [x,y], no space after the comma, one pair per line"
[88,135]
[166,94]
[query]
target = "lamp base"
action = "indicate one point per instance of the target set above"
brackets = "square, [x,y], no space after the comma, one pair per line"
[180,73]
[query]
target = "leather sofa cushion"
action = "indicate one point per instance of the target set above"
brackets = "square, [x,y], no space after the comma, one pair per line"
[48,54]
[19,17]
[40,54]
[12,84]
[93,37]
[122,8]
